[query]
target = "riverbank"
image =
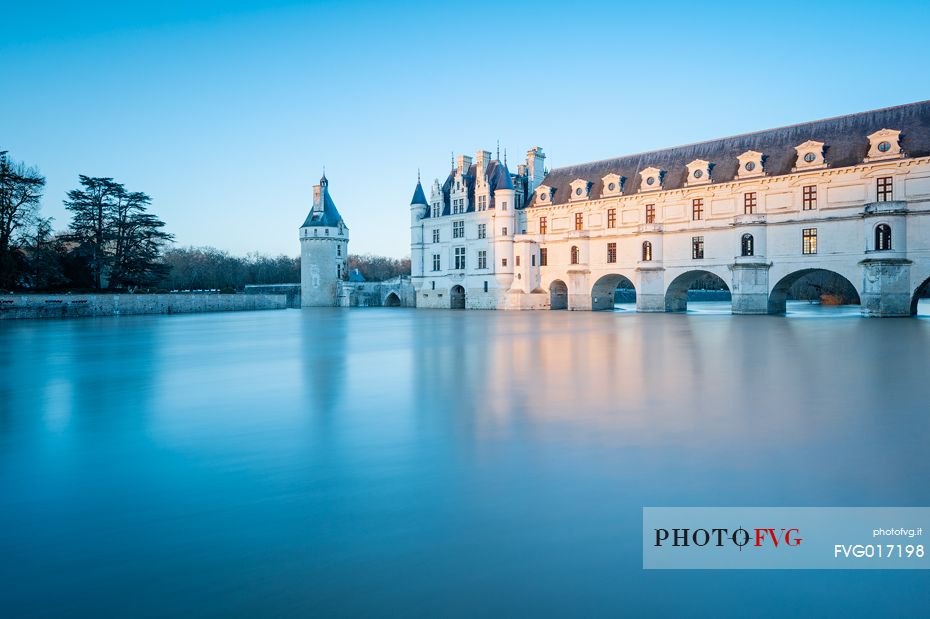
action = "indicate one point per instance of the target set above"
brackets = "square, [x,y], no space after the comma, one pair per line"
[24,306]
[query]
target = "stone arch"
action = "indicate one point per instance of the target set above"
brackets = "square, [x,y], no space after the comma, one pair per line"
[558,295]
[920,292]
[392,300]
[457,297]
[602,293]
[676,295]
[779,294]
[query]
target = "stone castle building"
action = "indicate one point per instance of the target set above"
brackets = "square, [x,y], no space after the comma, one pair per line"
[325,280]
[848,195]
[324,247]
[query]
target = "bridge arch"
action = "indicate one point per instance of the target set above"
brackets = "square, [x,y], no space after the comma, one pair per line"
[676,295]
[558,295]
[392,300]
[602,292]
[778,297]
[921,292]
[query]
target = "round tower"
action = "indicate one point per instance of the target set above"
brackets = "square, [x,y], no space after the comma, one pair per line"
[324,249]
[418,210]
[505,221]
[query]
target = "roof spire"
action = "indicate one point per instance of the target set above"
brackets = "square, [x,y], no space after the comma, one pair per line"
[505,157]
[418,175]
[498,150]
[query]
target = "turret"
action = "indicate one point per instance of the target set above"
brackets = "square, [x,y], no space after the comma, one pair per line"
[418,210]
[324,249]
[504,221]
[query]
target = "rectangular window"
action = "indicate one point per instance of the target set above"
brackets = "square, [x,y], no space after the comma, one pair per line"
[697,209]
[503,262]
[482,203]
[697,247]
[485,286]
[611,252]
[338,250]
[516,261]
[543,256]
[883,188]
[482,259]
[482,231]
[749,202]
[503,205]
[533,260]
[611,218]
[503,231]
[809,241]
[435,262]
[436,235]
[436,210]
[458,229]
[650,213]
[542,225]
[459,258]
[809,197]
[579,221]
[434,285]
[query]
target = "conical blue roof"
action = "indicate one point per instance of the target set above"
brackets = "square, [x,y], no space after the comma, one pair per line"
[502,180]
[328,216]
[418,196]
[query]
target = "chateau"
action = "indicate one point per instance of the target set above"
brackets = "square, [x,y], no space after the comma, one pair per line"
[849,195]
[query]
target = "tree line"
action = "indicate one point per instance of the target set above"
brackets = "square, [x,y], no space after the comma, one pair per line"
[115,243]
[112,243]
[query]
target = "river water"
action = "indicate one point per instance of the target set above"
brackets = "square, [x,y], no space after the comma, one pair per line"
[442,463]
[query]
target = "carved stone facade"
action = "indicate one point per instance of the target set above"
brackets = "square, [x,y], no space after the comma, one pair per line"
[849,195]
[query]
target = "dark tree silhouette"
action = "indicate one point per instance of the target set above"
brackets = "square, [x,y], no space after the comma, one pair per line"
[21,190]
[112,229]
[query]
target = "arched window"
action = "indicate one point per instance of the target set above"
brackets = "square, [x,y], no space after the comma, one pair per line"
[747,245]
[574,254]
[647,251]
[882,237]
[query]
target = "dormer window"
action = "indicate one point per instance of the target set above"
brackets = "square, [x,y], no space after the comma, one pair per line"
[580,189]
[698,172]
[543,194]
[750,165]
[884,144]
[613,185]
[810,156]
[651,179]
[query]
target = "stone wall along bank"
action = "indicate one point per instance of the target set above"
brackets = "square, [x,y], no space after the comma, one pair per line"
[86,305]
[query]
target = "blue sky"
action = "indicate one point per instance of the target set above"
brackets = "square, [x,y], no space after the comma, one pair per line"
[225,113]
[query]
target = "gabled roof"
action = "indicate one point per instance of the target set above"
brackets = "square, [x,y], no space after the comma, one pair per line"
[845,139]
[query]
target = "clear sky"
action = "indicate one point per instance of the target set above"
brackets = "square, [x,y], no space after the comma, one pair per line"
[226,112]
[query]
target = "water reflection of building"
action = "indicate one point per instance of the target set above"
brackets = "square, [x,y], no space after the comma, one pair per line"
[760,211]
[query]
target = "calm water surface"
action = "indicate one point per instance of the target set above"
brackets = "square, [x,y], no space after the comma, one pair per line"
[441,463]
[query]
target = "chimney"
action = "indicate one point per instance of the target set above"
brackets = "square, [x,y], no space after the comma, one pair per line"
[317,198]
[536,166]
[482,157]
[463,162]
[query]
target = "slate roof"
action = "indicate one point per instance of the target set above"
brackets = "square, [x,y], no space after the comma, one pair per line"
[498,177]
[844,139]
[418,196]
[328,216]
